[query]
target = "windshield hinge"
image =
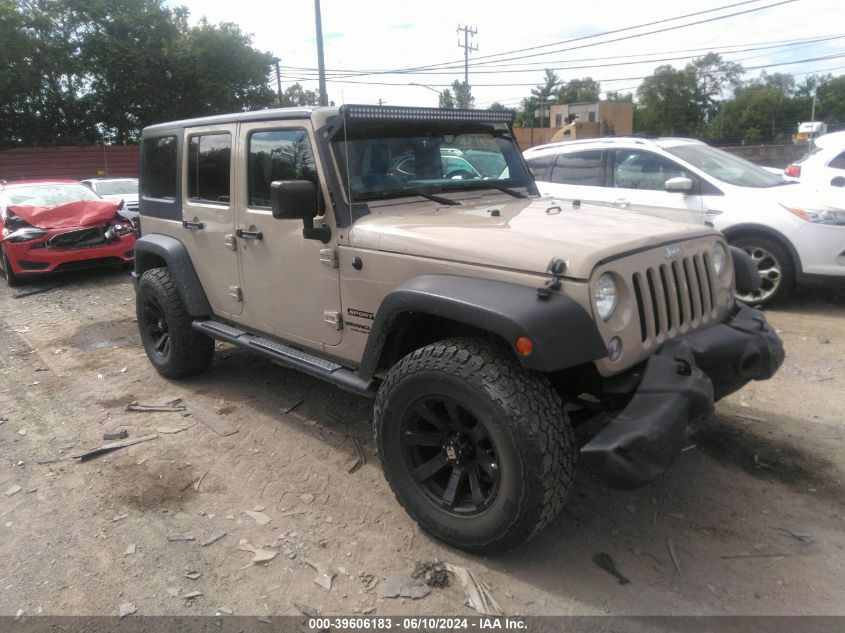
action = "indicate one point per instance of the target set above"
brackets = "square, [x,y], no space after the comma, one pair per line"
[328,256]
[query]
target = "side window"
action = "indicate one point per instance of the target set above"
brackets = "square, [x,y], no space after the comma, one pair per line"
[581,168]
[209,161]
[159,168]
[278,155]
[838,162]
[540,167]
[635,169]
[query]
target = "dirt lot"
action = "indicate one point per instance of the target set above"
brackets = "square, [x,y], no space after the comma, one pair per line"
[752,513]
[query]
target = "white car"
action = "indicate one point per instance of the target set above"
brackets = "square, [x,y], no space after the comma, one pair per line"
[125,189]
[824,165]
[791,232]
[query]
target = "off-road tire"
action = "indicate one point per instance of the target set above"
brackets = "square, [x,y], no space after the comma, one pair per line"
[188,352]
[11,278]
[758,244]
[532,437]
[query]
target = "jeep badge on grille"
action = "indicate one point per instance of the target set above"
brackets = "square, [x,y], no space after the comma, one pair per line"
[672,253]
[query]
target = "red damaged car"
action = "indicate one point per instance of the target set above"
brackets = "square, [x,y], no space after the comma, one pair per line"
[56,225]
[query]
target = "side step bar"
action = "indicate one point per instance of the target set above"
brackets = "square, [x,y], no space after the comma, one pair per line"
[288,356]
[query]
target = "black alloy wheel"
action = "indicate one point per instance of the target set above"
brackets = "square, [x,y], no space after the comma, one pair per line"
[451,455]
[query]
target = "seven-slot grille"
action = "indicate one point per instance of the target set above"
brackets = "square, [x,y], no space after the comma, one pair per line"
[675,296]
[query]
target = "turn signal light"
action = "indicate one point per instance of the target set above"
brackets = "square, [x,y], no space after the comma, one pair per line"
[793,171]
[524,346]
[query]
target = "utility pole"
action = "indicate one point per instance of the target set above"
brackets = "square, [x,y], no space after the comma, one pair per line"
[324,99]
[468,32]
[279,84]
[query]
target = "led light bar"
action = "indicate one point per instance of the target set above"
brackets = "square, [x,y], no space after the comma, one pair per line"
[401,113]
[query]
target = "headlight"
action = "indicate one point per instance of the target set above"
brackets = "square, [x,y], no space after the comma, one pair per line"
[819,216]
[604,296]
[720,256]
[24,235]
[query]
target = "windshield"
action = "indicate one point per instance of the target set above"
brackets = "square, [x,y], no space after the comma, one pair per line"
[47,195]
[387,159]
[726,167]
[117,187]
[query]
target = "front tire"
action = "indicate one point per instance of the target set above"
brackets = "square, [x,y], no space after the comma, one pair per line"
[174,349]
[774,265]
[11,278]
[475,448]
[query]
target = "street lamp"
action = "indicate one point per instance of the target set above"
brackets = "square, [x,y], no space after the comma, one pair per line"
[439,93]
[413,83]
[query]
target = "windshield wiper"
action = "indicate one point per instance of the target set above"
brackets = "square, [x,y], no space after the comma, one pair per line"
[398,193]
[507,190]
[437,199]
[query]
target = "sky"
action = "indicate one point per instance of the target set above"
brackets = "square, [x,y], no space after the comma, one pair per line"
[369,35]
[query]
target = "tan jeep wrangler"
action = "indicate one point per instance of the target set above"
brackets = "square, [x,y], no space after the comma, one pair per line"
[403,253]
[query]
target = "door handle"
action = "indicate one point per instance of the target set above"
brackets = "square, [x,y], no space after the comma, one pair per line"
[193,224]
[249,235]
[621,202]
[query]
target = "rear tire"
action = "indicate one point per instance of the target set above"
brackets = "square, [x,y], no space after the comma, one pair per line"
[11,278]
[773,263]
[476,449]
[174,349]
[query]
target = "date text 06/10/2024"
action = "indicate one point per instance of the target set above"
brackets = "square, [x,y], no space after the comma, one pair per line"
[388,623]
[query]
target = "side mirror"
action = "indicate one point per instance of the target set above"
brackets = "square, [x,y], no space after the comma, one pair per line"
[678,184]
[293,199]
[839,181]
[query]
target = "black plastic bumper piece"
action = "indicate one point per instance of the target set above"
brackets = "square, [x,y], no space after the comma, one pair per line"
[679,386]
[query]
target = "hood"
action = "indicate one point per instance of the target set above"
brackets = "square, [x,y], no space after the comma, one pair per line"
[796,195]
[72,214]
[525,235]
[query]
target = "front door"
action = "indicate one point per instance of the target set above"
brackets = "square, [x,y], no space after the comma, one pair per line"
[637,181]
[291,285]
[208,217]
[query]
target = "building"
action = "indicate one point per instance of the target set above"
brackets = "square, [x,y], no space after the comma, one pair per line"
[591,120]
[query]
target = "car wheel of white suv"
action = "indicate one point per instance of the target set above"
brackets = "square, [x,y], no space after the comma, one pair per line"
[774,266]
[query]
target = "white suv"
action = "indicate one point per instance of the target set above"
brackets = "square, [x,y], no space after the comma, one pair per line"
[788,230]
[824,165]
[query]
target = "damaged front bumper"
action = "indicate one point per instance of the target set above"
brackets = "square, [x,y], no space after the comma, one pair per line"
[679,385]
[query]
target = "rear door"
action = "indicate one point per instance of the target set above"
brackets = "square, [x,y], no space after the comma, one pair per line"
[208,217]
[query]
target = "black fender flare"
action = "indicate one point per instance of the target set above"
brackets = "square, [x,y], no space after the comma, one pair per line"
[738,230]
[153,248]
[563,333]
[746,277]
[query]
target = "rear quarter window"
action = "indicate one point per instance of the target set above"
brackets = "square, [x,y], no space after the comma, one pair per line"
[158,168]
[838,162]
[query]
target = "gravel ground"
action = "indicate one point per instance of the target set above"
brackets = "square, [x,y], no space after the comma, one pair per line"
[748,521]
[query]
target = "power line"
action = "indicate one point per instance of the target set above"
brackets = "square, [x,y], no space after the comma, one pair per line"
[412,70]
[515,85]
[796,43]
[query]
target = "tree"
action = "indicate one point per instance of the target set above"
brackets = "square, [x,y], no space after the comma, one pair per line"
[295,95]
[579,90]
[496,106]
[85,71]
[463,95]
[528,114]
[445,100]
[712,76]
[614,95]
[667,103]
